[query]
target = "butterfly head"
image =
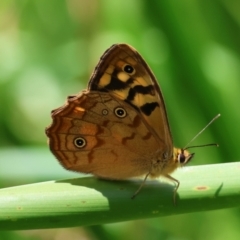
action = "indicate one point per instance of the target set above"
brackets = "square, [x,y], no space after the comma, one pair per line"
[182,156]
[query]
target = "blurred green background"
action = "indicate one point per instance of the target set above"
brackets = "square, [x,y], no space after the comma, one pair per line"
[48,50]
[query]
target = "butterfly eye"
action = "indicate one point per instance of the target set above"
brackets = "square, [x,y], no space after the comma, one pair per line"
[120,112]
[129,69]
[181,158]
[80,142]
[104,112]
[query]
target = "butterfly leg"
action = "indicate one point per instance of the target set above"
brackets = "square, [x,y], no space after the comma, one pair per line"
[142,184]
[176,188]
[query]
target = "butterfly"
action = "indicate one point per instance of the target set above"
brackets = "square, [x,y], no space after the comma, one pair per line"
[118,127]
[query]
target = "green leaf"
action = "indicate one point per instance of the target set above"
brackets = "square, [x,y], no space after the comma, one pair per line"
[91,201]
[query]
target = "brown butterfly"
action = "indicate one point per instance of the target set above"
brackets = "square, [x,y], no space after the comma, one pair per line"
[118,127]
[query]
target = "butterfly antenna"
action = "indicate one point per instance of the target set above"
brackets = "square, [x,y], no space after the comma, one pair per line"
[211,144]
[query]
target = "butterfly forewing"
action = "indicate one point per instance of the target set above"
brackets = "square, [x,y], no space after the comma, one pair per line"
[137,86]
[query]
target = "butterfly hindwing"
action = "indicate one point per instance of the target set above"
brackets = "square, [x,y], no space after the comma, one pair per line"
[111,140]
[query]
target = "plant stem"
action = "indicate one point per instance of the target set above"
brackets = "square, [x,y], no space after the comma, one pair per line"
[91,201]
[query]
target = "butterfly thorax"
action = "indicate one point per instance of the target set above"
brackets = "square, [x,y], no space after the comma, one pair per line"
[163,166]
